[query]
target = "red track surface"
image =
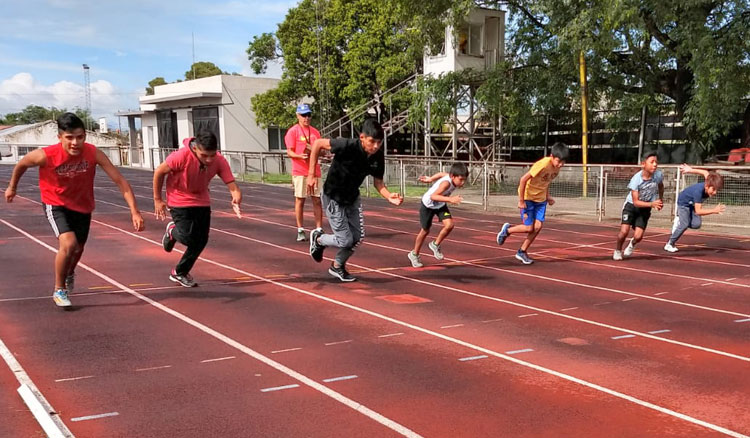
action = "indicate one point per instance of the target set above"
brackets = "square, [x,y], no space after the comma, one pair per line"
[404,341]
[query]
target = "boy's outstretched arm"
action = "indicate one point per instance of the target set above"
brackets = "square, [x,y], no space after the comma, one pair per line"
[522,189]
[160,207]
[236,193]
[124,186]
[435,177]
[321,143]
[439,197]
[37,157]
[685,168]
[393,198]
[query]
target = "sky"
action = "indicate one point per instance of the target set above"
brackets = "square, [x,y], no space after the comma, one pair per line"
[44,44]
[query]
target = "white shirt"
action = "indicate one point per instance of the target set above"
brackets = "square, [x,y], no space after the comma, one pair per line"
[427,197]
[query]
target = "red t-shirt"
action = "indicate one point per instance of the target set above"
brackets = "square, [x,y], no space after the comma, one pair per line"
[188,179]
[296,140]
[67,180]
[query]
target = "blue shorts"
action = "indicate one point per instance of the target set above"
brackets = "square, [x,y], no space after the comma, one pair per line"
[533,211]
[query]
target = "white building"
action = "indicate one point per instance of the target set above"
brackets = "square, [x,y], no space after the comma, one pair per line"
[17,140]
[478,44]
[219,103]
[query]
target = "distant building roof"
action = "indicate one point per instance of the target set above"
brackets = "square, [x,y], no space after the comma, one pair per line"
[179,96]
[18,128]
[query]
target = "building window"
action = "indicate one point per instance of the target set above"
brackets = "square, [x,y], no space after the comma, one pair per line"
[276,138]
[207,118]
[166,122]
[470,40]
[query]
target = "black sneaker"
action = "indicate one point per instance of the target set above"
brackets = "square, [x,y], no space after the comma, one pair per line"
[183,280]
[316,249]
[341,273]
[166,240]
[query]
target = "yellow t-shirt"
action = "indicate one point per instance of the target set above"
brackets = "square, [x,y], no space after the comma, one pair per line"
[542,173]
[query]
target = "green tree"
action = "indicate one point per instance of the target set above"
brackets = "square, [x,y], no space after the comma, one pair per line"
[693,54]
[202,69]
[35,114]
[153,83]
[337,52]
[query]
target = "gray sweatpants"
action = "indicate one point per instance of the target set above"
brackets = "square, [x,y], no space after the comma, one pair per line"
[348,225]
[686,218]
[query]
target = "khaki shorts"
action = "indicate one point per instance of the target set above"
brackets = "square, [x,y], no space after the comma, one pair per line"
[300,186]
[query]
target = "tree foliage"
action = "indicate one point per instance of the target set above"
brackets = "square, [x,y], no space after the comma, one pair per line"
[153,83]
[692,54]
[35,114]
[202,69]
[339,53]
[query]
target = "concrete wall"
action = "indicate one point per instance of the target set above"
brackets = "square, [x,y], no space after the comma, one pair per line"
[45,133]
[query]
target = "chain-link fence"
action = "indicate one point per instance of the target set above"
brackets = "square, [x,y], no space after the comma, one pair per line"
[594,192]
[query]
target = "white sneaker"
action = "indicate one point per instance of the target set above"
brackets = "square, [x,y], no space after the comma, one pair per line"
[415,260]
[670,248]
[675,224]
[436,250]
[629,250]
[60,297]
[617,255]
[301,235]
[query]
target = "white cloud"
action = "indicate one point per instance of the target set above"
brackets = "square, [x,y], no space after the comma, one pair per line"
[22,90]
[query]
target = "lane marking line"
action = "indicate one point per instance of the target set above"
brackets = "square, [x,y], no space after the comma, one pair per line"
[218,359]
[492,320]
[362,409]
[602,304]
[391,334]
[153,368]
[731,279]
[742,320]
[280,388]
[525,350]
[466,359]
[338,379]
[70,379]
[528,314]
[630,299]
[338,342]
[286,350]
[623,336]
[660,331]
[568,308]
[451,326]
[95,417]
[661,293]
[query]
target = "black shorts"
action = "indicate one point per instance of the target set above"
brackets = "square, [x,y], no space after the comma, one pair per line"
[426,215]
[64,220]
[634,216]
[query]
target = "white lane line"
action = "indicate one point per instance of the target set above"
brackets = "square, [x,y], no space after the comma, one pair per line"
[623,336]
[492,320]
[279,388]
[603,304]
[661,293]
[70,379]
[362,409]
[338,342]
[731,279]
[95,417]
[660,331]
[391,334]
[286,350]
[43,412]
[568,308]
[742,320]
[466,359]
[525,350]
[338,379]
[630,299]
[707,284]
[340,397]
[451,326]
[218,359]
[528,314]
[153,368]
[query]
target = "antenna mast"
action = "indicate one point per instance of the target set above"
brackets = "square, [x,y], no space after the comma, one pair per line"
[87,90]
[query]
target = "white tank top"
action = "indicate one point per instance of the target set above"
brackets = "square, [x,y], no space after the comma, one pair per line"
[426,198]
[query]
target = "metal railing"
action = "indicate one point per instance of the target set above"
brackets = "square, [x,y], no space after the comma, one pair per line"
[493,186]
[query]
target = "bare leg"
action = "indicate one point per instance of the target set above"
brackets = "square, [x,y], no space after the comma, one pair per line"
[67,256]
[447,228]
[317,211]
[420,240]
[299,210]
[622,235]
[535,229]
[638,235]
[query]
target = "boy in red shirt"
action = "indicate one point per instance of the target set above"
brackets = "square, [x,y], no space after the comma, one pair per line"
[189,171]
[298,141]
[66,183]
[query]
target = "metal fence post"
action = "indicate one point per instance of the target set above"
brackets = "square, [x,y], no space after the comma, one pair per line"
[262,167]
[485,187]
[243,165]
[600,202]
[402,177]
[676,191]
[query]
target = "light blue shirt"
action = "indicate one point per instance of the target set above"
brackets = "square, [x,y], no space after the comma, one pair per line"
[648,189]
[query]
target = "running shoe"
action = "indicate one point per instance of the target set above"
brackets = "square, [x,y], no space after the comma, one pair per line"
[60,297]
[316,249]
[503,234]
[166,240]
[522,256]
[617,255]
[301,235]
[436,250]
[670,248]
[629,249]
[341,273]
[184,280]
[415,259]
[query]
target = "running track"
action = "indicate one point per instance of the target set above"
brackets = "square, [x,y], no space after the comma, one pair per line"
[270,345]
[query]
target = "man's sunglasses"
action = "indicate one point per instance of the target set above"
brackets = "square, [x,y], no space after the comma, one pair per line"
[306,115]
